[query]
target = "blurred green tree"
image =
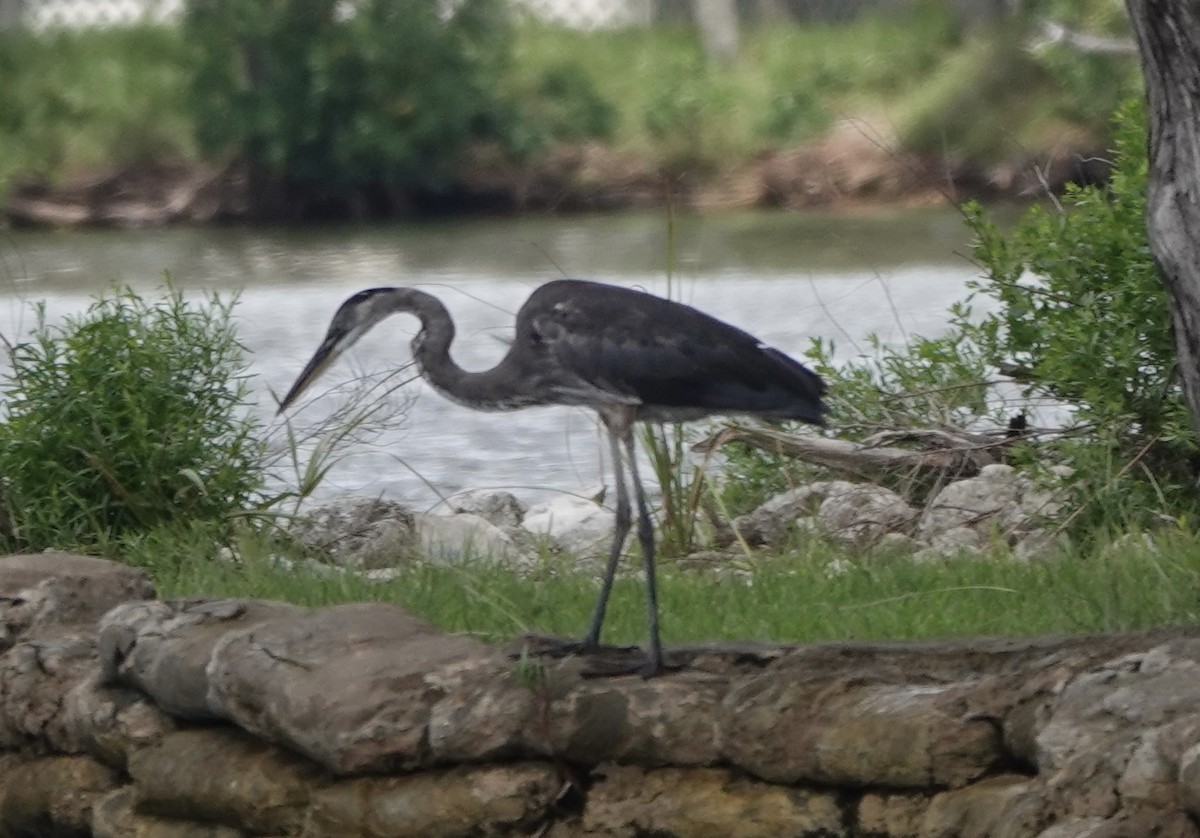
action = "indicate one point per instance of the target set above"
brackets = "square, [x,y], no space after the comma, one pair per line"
[347,108]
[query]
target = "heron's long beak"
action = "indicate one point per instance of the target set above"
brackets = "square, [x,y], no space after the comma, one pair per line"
[325,355]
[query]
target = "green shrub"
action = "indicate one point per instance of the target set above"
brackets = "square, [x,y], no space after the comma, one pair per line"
[1080,319]
[389,95]
[127,417]
[1093,333]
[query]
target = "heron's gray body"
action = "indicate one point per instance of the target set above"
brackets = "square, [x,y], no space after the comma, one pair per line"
[628,355]
[594,345]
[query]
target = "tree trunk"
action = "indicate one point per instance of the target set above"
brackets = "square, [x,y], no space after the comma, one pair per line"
[1168,36]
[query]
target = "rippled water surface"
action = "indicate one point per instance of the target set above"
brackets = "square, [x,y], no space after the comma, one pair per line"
[784,277]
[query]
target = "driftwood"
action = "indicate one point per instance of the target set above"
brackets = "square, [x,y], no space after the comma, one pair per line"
[946,452]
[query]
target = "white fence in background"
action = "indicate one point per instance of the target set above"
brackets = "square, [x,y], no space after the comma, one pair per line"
[588,14]
[41,15]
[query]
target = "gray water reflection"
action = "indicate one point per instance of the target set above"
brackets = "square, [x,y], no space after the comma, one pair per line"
[784,277]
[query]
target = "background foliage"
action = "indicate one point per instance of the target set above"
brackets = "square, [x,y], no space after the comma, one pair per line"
[362,113]
[304,94]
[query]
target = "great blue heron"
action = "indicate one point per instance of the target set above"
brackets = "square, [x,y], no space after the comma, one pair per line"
[627,354]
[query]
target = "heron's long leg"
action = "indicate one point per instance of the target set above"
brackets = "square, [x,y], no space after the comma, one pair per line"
[645,532]
[620,531]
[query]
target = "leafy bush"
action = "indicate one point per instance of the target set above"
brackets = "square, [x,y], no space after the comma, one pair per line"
[127,417]
[1080,320]
[1092,332]
[560,104]
[387,94]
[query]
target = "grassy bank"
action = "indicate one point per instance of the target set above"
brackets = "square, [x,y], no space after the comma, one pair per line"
[817,593]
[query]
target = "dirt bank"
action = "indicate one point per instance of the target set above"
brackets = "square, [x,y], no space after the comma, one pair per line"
[849,166]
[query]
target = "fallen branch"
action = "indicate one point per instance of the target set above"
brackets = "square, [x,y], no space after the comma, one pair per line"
[960,456]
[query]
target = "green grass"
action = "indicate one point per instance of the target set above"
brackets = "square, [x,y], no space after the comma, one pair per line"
[811,595]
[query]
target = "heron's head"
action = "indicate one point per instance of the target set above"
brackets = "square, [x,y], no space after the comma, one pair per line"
[353,319]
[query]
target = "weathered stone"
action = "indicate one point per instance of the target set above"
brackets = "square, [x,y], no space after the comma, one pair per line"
[1073,828]
[463,801]
[110,722]
[114,816]
[350,686]
[51,795]
[579,527]
[1005,806]
[671,720]
[35,675]
[792,729]
[771,522]
[896,544]
[51,590]
[1189,776]
[1136,824]
[493,505]
[454,539]
[955,541]
[1039,544]
[702,802]
[999,502]
[1098,738]
[359,532]
[164,648]
[890,815]
[221,775]
[862,513]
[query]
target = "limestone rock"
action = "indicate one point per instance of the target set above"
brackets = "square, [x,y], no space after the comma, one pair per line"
[350,686]
[51,795]
[114,816]
[455,538]
[788,730]
[581,528]
[890,814]
[862,513]
[42,591]
[1099,742]
[221,775]
[701,802]
[771,522]
[669,720]
[1000,502]
[34,677]
[462,801]
[979,503]
[493,505]
[110,722]
[955,541]
[164,648]
[1005,806]
[359,532]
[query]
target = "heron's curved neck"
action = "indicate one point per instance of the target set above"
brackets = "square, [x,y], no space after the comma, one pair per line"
[486,390]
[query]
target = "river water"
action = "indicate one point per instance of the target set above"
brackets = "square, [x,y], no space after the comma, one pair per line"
[785,277]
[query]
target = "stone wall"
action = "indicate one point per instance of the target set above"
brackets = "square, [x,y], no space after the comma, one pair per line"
[122,715]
